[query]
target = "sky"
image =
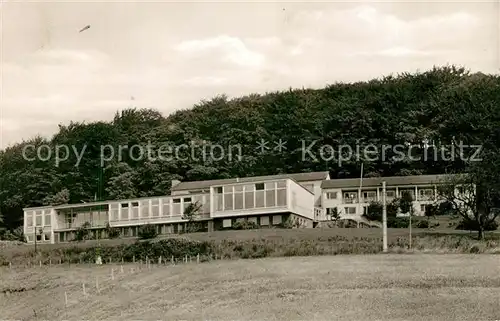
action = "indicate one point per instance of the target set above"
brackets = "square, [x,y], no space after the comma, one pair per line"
[172,55]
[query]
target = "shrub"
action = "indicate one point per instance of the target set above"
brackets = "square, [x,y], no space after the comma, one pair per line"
[445,208]
[82,233]
[423,224]
[112,232]
[471,225]
[147,231]
[374,212]
[14,235]
[245,225]
[397,222]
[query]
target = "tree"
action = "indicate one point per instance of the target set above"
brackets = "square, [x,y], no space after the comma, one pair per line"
[431,210]
[191,214]
[474,199]
[61,197]
[334,214]
[374,212]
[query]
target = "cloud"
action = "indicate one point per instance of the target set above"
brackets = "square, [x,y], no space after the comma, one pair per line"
[90,76]
[205,81]
[232,49]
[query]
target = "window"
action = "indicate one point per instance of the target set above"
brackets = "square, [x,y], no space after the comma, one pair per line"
[46,237]
[270,186]
[249,203]
[29,220]
[218,190]
[166,207]
[259,186]
[270,198]
[370,194]
[135,209]
[144,208]
[277,219]
[350,210]
[124,205]
[114,211]
[331,210]
[331,195]
[177,200]
[47,220]
[226,223]
[422,208]
[238,201]
[259,198]
[389,193]
[38,237]
[38,221]
[187,199]
[264,220]
[281,201]
[350,195]
[228,202]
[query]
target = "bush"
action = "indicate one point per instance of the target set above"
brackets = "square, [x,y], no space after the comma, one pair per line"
[445,208]
[245,225]
[423,224]
[374,212]
[397,222]
[82,233]
[147,231]
[112,232]
[471,225]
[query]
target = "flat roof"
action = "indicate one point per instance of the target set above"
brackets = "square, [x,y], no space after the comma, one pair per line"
[390,181]
[298,177]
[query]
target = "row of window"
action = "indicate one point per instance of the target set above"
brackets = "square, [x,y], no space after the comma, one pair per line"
[40,220]
[373,194]
[39,237]
[262,221]
[243,200]
[157,208]
[351,210]
[250,187]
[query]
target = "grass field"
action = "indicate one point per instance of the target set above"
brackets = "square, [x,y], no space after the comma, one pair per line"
[368,287]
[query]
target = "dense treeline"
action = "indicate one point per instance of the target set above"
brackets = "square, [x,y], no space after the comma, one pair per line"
[442,106]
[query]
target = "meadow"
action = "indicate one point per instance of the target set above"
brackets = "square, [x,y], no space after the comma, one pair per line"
[248,244]
[348,287]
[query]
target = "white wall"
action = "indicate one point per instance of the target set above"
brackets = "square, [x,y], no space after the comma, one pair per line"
[301,200]
[316,189]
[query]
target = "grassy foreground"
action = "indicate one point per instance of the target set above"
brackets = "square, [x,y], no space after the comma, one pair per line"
[253,244]
[370,287]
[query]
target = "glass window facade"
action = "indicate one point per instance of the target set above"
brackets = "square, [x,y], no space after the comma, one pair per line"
[250,196]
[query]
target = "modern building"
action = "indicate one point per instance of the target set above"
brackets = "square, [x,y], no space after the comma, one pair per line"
[351,197]
[300,199]
[266,201]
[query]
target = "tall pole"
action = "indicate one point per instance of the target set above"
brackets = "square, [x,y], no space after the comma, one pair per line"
[359,190]
[384,217]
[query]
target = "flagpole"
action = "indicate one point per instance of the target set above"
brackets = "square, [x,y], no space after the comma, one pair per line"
[359,192]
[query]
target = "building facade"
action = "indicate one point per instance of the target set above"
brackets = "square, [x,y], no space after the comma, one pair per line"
[300,199]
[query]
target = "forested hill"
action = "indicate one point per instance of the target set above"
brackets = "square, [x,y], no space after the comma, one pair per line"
[442,105]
